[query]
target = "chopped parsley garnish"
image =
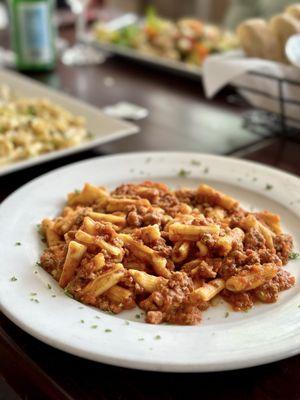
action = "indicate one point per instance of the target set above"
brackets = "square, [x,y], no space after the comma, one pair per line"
[126,322]
[157,337]
[35,300]
[80,308]
[13,279]
[195,162]
[141,339]
[294,256]
[268,187]
[33,294]
[38,264]
[206,170]
[183,173]
[90,135]
[54,295]
[76,191]
[67,293]
[96,316]
[226,314]
[94,326]
[18,244]
[49,286]
[137,316]
[31,111]
[299,306]
[82,321]
[108,330]
[35,272]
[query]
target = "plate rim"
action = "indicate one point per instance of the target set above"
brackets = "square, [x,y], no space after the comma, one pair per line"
[142,364]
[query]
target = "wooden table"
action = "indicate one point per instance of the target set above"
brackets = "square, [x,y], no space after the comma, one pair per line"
[180,119]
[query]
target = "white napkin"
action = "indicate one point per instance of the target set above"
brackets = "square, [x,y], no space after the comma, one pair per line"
[233,68]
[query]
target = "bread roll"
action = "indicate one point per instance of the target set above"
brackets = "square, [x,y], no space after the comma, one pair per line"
[293,10]
[283,26]
[257,40]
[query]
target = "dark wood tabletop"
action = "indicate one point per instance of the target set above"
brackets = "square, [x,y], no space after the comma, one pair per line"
[180,118]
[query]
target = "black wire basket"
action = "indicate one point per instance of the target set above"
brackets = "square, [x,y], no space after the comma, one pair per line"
[262,121]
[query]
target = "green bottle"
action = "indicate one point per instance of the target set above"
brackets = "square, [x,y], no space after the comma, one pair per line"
[33,34]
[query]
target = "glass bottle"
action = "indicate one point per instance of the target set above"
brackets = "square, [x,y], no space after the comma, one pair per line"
[33,34]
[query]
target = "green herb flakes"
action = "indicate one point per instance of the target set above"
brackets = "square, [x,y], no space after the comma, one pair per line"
[18,244]
[268,187]
[294,256]
[183,173]
[94,326]
[67,293]
[157,337]
[13,279]
[195,162]
[226,315]
[49,286]
[108,330]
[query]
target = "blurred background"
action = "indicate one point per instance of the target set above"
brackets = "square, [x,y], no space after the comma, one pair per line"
[224,12]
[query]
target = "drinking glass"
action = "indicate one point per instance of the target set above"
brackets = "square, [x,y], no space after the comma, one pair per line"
[81,53]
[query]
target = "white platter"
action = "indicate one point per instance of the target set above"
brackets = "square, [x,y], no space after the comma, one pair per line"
[177,67]
[264,334]
[102,127]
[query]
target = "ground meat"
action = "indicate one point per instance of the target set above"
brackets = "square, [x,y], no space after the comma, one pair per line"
[154,317]
[134,220]
[254,240]
[152,218]
[172,300]
[167,202]
[187,196]
[283,244]
[53,258]
[162,249]
[185,315]
[203,270]
[239,301]
[269,256]
[268,293]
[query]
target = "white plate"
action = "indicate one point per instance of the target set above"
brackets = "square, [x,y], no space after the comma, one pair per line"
[103,127]
[178,67]
[264,334]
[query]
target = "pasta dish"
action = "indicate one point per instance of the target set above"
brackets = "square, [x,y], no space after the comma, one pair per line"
[170,252]
[33,126]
